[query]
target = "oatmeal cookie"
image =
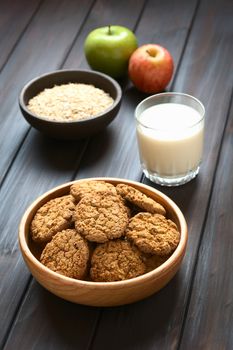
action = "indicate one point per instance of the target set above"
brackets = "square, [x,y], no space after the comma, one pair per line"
[152,261]
[67,254]
[139,199]
[100,218]
[52,217]
[116,261]
[84,188]
[153,233]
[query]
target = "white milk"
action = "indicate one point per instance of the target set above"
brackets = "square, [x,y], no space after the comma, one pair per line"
[170,139]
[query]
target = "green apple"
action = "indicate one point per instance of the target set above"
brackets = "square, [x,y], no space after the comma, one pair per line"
[108,49]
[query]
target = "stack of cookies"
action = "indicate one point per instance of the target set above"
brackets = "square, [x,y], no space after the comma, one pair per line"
[103,233]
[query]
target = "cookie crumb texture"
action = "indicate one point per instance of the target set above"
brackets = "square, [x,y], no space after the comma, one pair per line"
[100,218]
[116,261]
[67,254]
[103,233]
[153,233]
[54,216]
[88,188]
[152,261]
[139,199]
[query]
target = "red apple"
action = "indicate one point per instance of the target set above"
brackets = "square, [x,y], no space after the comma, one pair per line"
[150,68]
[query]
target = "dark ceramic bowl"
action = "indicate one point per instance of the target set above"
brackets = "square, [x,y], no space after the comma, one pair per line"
[71,129]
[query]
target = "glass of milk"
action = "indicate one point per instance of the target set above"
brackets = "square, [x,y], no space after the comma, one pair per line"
[170,133]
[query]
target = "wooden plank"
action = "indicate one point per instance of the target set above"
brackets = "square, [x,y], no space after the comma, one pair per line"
[59,161]
[129,322]
[114,151]
[58,324]
[210,317]
[12,24]
[42,48]
[124,13]
[203,75]
[34,171]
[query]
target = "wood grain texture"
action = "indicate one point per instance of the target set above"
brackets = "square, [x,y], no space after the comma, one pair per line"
[54,323]
[210,317]
[114,152]
[41,164]
[104,12]
[14,18]
[198,76]
[42,48]
[32,174]
[199,35]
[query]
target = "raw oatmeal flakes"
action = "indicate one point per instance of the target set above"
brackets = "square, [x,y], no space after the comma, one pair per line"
[70,102]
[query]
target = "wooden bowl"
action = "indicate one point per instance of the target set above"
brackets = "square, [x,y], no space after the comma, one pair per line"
[103,293]
[71,129]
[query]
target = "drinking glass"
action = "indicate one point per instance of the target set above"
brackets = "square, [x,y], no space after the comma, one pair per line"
[170,134]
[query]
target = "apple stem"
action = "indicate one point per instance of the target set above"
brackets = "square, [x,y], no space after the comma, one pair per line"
[109,30]
[150,53]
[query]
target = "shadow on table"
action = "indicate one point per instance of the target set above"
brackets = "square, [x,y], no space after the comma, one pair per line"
[63,155]
[142,325]
[134,326]
[67,325]
[183,195]
[51,322]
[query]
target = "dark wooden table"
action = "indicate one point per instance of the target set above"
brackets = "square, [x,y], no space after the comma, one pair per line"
[195,310]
